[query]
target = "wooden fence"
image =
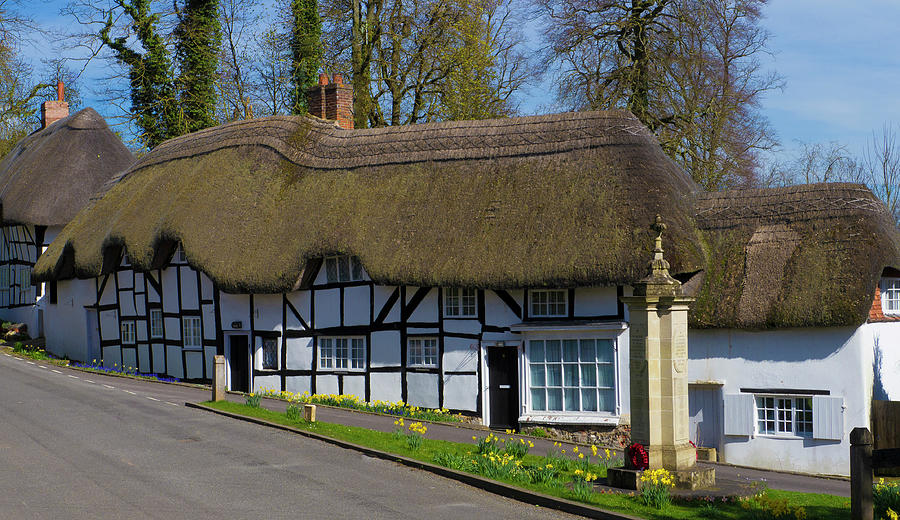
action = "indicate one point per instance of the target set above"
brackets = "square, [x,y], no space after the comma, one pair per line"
[864,461]
[886,424]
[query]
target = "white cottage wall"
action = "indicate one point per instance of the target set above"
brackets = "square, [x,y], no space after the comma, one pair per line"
[66,332]
[836,361]
[886,343]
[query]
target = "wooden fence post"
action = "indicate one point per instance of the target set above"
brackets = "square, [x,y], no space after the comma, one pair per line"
[861,474]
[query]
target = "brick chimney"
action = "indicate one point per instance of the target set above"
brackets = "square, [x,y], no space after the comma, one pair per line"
[52,111]
[332,101]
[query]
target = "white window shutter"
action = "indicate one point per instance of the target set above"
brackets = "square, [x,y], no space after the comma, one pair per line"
[739,414]
[828,417]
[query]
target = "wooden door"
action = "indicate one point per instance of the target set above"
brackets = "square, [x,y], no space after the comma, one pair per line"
[239,363]
[503,392]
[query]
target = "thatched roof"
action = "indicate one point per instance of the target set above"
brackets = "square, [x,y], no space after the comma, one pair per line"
[807,255]
[49,176]
[560,200]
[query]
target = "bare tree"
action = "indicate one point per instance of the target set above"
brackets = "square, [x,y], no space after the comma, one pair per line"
[235,83]
[688,69]
[882,162]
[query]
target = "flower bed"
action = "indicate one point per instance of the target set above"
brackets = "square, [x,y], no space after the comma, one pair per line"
[352,402]
[98,368]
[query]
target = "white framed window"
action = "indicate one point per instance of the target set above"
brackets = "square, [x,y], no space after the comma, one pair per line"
[343,269]
[270,353]
[128,335]
[549,303]
[460,302]
[784,415]
[890,295]
[342,353]
[191,332]
[572,375]
[4,277]
[156,323]
[126,261]
[422,352]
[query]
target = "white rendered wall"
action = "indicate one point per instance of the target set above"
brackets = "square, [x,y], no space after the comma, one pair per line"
[886,339]
[837,359]
[65,323]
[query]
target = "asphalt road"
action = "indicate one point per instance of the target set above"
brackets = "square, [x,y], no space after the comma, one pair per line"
[76,445]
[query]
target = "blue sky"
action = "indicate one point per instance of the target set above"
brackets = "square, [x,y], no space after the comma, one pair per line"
[840,61]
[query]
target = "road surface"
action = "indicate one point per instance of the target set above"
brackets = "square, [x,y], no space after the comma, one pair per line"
[78,445]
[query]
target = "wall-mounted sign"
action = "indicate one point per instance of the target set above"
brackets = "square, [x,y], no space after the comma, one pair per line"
[237,324]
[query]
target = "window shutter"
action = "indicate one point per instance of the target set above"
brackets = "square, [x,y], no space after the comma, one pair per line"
[739,414]
[828,417]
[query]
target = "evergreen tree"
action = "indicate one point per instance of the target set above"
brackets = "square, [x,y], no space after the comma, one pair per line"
[198,36]
[306,51]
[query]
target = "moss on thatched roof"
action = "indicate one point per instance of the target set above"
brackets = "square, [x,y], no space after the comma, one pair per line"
[561,200]
[806,255]
[49,176]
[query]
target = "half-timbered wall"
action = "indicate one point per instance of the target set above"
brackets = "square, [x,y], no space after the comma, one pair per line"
[21,301]
[348,337]
[161,321]
[18,253]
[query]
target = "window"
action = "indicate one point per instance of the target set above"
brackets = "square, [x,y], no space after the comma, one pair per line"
[549,303]
[125,260]
[191,332]
[4,277]
[343,269]
[270,353]
[459,302]
[156,323]
[342,353]
[128,333]
[572,375]
[422,352]
[181,256]
[778,415]
[890,295]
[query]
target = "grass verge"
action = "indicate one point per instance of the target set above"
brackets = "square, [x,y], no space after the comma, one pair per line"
[772,503]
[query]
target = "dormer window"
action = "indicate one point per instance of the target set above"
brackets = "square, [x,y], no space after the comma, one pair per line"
[549,303]
[343,269]
[890,295]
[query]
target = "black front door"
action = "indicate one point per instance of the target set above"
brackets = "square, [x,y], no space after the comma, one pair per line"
[238,361]
[503,368]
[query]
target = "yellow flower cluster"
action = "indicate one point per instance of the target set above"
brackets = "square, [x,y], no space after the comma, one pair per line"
[586,475]
[501,459]
[418,427]
[658,477]
[891,514]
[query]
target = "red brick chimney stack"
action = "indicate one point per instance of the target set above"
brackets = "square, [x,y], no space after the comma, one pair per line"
[332,101]
[52,111]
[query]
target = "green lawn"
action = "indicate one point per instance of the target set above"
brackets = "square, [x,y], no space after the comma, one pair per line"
[771,504]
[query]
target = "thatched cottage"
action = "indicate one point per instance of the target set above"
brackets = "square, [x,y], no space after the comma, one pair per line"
[45,180]
[479,266]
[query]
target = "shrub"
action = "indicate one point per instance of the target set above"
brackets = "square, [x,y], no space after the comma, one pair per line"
[253,400]
[537,432]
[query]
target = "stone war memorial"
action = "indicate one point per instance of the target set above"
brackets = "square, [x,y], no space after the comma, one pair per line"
[658,311]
